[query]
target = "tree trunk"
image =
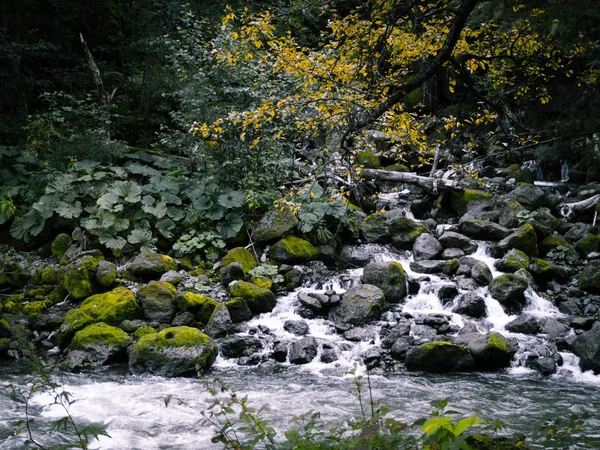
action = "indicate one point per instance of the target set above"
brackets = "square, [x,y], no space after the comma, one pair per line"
[569,210]
[430,185]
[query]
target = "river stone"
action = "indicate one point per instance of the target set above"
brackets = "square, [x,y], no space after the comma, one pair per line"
[172,276]
[220,323]
[238,346]
[360,305]
[524,239]
[544,271]
[513,261]
[508,209]
[238,310]
[79,276]
[589,280]
[158,301]
[447,293]
[293,250]
[231,272]
[576,231]
[303,351]
[472,305]
[280,352]
[199,305]
[553,328]
[544,365]
[358,334]
[11,274]
[428,266]
[402,328]
[588,244]
[587,347]
[426,247]
[259,300]
[452,253]
[404,232]
[401,346]
[297,327]
[525,323]
[439,357]
[389,276]
[274,225]
[482,229]
[100,344]
[329,355]
[151,266]
[470,200]
[530,196]
[175,351]
[106,273]
[490,351]
[184,319]
[374,229]
[481,273]
[508,289]
[451,239]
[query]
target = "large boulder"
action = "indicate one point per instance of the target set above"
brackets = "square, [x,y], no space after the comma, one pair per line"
[175,351]
[220,323]
[199,305]
[293,250]
[374,228]
[259,300]
[481,273]
[589,280]
[451,239]
[490,351]
[389,276]
[482,229]
[426,247]
[274,225]
[404,232]
[360,305]
[439,357]
[238,346]
[524,239]
[106,273]
[525,323]
[587,347]
[509,290]
[528,195]
[557,243]
[111,308]
[11,274]
[150,266]
[158,300]
[79,276]
[472,305]
[303,351]
[429,266]
[509,209]
[101,343]
[589,243]
[470,200]
[238,310]
[513,261]
[242,256]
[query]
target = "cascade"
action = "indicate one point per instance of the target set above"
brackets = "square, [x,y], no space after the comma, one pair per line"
[564,172]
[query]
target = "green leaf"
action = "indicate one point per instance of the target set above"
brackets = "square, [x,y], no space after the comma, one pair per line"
[231,199]
[108,201]
[230,225]
[432,425]
[216,212]
[60,245]
[111,241]
[464,424]
[203,203]
[31,224]
[144,238]
[68,210]
[141,169]
[131,192]
[164,227]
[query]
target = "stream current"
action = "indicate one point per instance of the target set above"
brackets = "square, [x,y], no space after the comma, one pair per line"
[135,413]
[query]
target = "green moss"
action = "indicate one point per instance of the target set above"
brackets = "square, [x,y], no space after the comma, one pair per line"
[397,168]
[261,281]
[293,250]
[588,244]
[524,239]
[4,327]
[368,159]
[197,271]
[463,201]
[200,305]
[143,331]
[100,334]
[242,256]
[259,300]
[553,242]
[49,276]
[77,277]
[498,341]
[37,307]
[433,345]
[14,303]
[513,261]
[405,231]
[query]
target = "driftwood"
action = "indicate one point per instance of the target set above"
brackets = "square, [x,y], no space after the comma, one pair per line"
[569,210]
[430,185]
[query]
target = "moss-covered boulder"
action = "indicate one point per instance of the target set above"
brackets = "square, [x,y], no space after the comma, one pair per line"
[509,209]
[404,232]
[368,159]
[509,290]
[274,225]
[490,351]
[238,310]
[199,305]
[219,324]
[589,280]
[4,328]
[587,347]
[482,229]
[552,244]
[158,300]
[374,228]
[79,276]
[589,243]
[175,351]
[150,266]
[528,195]
[11,274]
[520,175]
[242,256]
[469,199]
[111,308]
[439,357]
[397,168]
[259,300]
[389,276]
[544,271]
[102,343]
[360,305]
[524,239]
[513,261]
[49,276]
[106,273]
[36,307]
[293,250]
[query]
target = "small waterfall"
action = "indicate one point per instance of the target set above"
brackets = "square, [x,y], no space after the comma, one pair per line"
[564,172]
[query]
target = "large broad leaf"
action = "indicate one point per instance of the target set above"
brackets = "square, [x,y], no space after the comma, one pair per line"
[159,183]
[203,203]
[68,210]
[164,227]
[31,224]
[120,225]
[61,183]
[169,198]
[131,192]
[141,169]
[216,212]
[109,201]
[143,238]
[231,199]
[111,241]
[45,205]
[432,425]
[465,424]
[230,225]
[159,211]
[176,214]
[100,221]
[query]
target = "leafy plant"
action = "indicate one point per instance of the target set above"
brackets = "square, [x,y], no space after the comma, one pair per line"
[565,431]
[269,271]
[559,253]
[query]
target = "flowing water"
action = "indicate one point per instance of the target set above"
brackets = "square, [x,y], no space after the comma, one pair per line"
[134,409]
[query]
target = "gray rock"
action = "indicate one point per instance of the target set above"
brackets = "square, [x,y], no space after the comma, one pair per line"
[172,276]
[472,305]
[275,224]
[426,247]
[360,305]
[439,357]
[280,352]
[482,229]
[151,266]
[238,310]
[238,346]
[158,300]
[106,273]
[544,365]
[428,266]
[359,335]
[297,327]
[219,324]
[404,232]
[587,347]
[402,328]
[231,272]
[525,323]
[304,350]
[524,239]
[389,276]
[528,195]
[451,239]
[374,229]
[329,355]
[401,346]
[447,293]
[481,273]
[513,261]
[452,253]
[508,289]
[490,351]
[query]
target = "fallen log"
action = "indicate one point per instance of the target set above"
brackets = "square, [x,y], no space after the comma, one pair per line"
[570,210]
[430,185]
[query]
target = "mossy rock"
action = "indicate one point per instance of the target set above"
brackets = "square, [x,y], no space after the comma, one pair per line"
[150,266]
[374,229]
[360,305]
[35,308]
[520,175]
[175,351]
[238,310]
[259,300]
[552,243]
[451,267]
[11,274]
[49,276]
[404,232]
[524,239]
[513,261]
[368,160]
[589,243]
[157,299]
[242,256]
[4,328]
[389,276]
[293,250]
[14,304]
[199,305]
[589,280]
[79,276]
[261,281]
[462,202]
[111,308]
[491,352]
[274,225]
[143,331]
[106,273]
[439,357]
[102,343]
